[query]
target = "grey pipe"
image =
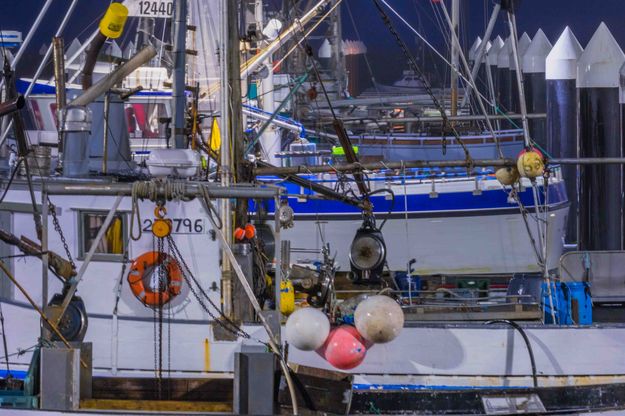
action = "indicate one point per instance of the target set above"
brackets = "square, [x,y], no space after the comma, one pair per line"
[192,189]
[58,58]
[179,34]
[115,77]
[294,170]
[279,123]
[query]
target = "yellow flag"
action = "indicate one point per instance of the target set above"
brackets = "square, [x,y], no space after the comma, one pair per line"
[215,141]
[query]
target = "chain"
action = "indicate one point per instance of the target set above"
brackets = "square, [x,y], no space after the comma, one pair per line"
[226,323]
[156,379]
[169,317]
[162,285]
[57,228]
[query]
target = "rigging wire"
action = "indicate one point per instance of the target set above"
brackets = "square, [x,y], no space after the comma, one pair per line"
[436,52]
[426,84]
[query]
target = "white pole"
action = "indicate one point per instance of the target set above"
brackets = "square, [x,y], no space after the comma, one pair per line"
[481,52]
[29,36]
[455,53]
[44,61]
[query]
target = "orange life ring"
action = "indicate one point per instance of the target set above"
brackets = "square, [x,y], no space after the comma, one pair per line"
[137,278]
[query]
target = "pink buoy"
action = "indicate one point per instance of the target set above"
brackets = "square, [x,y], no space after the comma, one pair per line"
[345,348]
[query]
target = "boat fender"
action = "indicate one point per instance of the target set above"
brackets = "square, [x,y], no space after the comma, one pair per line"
[508,175]
[287,297]
[307,329]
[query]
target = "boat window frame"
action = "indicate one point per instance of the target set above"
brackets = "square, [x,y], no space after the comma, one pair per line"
[106,257]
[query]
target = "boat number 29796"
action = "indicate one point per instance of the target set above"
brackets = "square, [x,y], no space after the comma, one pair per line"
[156,8]
[180,226]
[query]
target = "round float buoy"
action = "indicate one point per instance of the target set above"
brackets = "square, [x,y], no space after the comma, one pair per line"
[531,163]
[307,329]
[250,231]
[239,234]
[508,175]
[345,348]
[379,319]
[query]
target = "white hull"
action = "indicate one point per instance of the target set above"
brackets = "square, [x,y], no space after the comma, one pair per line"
[448,243]
[424,355]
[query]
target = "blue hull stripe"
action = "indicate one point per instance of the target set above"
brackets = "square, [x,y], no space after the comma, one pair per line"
[420,387]
[421,203]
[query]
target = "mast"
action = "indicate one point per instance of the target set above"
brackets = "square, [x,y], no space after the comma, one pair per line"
[455,53]
[338,56]
[232,150]
[179,31]
[240,301]
[226,213]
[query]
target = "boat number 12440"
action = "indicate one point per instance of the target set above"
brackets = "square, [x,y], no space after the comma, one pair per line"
[156,8]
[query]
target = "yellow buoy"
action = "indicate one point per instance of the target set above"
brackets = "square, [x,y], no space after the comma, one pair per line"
[531,164]
[287,297]
[508,175]
[112,24]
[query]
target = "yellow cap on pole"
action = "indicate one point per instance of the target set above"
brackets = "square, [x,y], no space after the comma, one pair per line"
[112,24]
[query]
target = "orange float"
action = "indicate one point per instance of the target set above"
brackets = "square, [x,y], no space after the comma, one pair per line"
[250,231]
[140,271]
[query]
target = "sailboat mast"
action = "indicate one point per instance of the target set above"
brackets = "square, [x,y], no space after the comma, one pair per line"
[455,53]
[179,32]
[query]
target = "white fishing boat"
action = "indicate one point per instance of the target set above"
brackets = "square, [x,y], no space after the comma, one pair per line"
[128,250]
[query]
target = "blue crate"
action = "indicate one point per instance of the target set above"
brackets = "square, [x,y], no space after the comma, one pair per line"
[410,285]
[572,303]
[561,304]
[581,302]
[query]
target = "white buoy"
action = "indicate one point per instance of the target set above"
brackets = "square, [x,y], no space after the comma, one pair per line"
[379,319]
[307,329]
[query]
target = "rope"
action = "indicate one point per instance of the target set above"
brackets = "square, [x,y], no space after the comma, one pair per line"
[171,191]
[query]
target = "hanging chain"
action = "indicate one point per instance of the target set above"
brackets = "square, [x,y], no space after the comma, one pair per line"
[162,286]
[225,322]
[59,230]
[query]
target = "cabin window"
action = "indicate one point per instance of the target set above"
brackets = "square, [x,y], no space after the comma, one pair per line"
[143,120]
[113,243]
